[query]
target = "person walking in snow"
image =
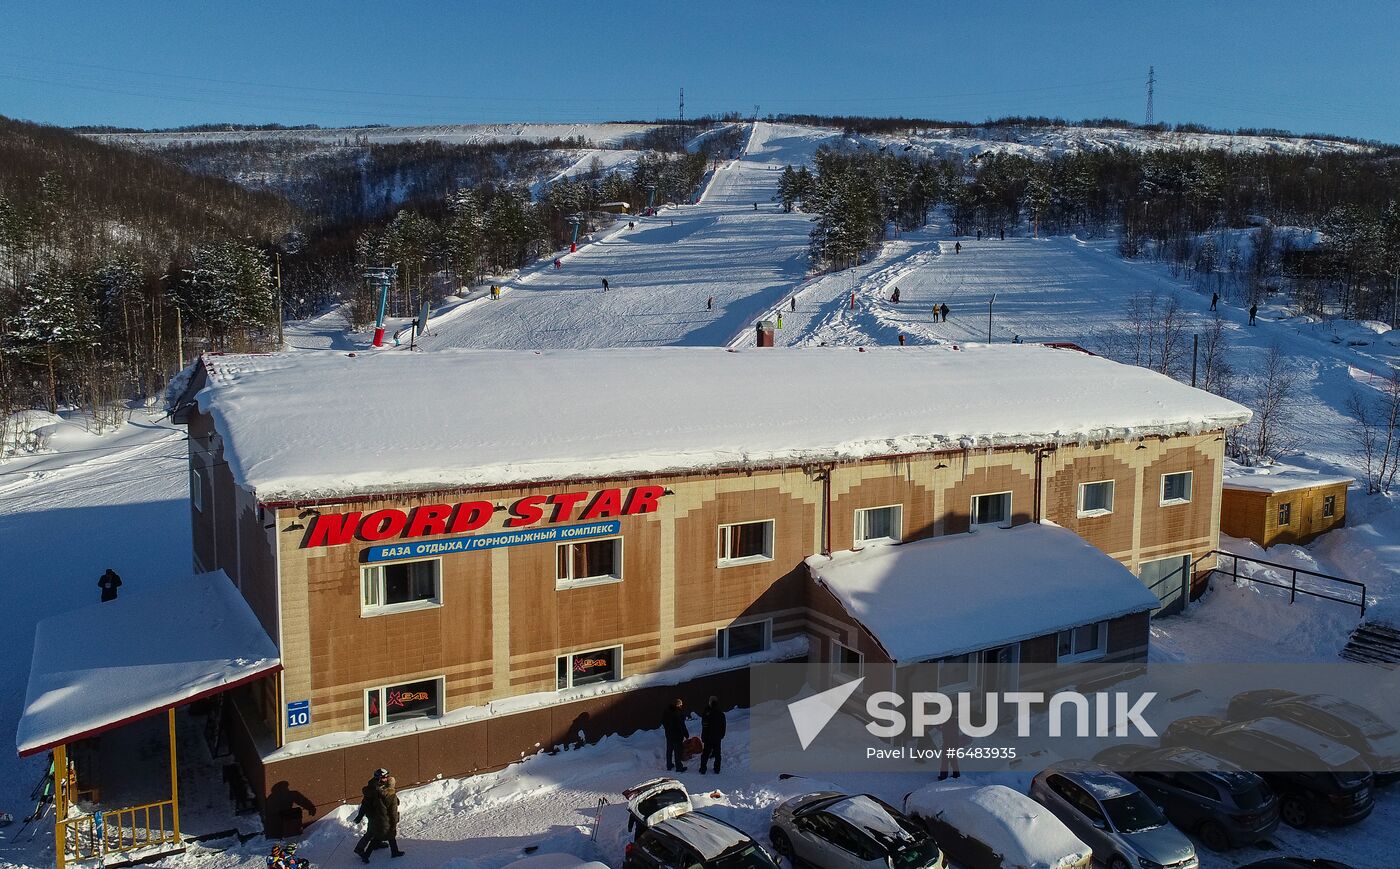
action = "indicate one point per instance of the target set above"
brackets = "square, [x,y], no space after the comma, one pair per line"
[894,297]
[901,339]
[712,727]
[673,724]
[605,285]
[794,303]
[1214,300]
[109,582]
[557,264]
[1253,309]
[374,810]
[1003,233]
[943,309]
[710,305]
[957,247]
[390,793]
[755,206]
[979,235]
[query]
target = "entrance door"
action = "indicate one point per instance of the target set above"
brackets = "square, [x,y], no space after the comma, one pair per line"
[1167,578]
[1000,670]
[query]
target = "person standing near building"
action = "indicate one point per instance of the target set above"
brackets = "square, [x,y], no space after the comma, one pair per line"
[1253,309]
[673,724]
[943,309]
[952,741]
[109,582]
[374,810]
[390,793]
[712,728]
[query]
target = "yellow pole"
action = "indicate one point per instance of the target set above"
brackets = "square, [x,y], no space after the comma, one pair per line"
[174,780]
[60,803]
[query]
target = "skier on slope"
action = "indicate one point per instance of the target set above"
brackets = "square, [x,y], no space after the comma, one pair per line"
[894,297]
[1214,300]
[710,305]
[794,303]
[1253,309]
[605,285]
[943,309]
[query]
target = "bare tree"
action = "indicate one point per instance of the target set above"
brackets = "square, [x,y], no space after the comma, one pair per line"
[1374,423]
[1272,397]
[1216,373]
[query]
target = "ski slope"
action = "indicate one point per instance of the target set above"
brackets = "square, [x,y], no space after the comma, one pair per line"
[662,272]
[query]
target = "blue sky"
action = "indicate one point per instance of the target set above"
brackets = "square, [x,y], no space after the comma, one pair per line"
[1293,65]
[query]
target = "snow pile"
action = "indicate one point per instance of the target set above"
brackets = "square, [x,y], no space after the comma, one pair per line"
[1012,824]
[1274,480]
[987,588]
[113,662]
[320,424]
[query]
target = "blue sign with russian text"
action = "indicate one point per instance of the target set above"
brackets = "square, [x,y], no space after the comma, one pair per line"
[298,713]
[475,542]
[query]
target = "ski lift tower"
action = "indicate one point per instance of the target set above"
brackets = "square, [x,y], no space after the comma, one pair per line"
[651,195]
[576,220]
[384,277]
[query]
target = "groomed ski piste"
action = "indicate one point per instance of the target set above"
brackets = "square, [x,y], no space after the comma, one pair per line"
[89,502]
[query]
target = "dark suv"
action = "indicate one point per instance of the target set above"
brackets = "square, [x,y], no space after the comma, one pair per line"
[1340,720]
[695,839]
[1335,789]
[1225,806]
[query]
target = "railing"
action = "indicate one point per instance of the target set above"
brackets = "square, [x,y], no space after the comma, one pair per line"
[1324,586]
[118,831]
[1179,579]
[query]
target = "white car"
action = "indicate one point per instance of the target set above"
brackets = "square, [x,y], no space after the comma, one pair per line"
[995,827]
[654,801]
[836,831]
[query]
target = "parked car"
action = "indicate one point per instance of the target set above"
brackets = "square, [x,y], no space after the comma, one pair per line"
[1224,805]
[994,827]
[1336,791]
[653,801]
[1108,812]
[837,831]
[1296,863]
[555,861]
[695,839]
[1356,727]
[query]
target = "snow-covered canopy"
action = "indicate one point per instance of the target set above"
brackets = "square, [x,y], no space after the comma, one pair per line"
[1273,482]
[111,663]
[986,588]
[1012,824]
[324,424]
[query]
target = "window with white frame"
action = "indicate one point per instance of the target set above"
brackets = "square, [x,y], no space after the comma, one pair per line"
[390,703]
[1082,643]
[197,488]
[849,664]
[398,585]
[1329,506]
[745,639]
[589,668]
[993,509]
[1096,499]
[879,525]
[1176,488]
[745,542]
[588,562]
[956,671]
[1285,513]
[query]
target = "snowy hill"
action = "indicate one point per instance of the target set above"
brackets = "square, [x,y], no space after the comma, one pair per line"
[600,135]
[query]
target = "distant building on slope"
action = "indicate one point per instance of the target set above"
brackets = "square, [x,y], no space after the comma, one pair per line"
[466,557]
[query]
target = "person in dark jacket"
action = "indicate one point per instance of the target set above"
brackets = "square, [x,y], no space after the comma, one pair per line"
[901,339]
[952,741]
[1214,300]
[1253,309]
[712,727]
[390,793]
[794,303]
[957,247]
[710,305]
[943,309]
[894,297]
[109,583]
[673,723]
[605,285]
[374,809]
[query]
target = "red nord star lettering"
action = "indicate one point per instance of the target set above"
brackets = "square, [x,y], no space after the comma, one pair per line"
[337,529]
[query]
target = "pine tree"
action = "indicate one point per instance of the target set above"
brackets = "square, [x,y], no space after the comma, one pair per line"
[55,323]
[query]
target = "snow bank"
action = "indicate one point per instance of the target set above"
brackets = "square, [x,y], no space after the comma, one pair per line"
[113,662]
[987,588]
[323,424]
[1018,828]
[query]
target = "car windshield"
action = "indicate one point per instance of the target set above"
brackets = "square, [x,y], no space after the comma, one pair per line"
[1132,813]
[655,803]
[745,857]
[917,854]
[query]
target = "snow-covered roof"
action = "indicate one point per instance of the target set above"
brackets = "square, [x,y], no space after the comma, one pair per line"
[1274,482]
[1012,824]
[865,814]
[325,424]
[106,664]
[710,836]
[986,588]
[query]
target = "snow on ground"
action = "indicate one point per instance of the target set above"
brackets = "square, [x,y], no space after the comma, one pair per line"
[602,135]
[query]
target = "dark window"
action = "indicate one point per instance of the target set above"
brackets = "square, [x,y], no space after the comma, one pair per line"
[401,582]
[402,702]
[589,561]
[992,509]
[746,540]
[1176,488]
[1083,640]
[1285,513]
[744,639]
[589,668]
[1329,506]
[1096,498]
[848,661]
[878,523]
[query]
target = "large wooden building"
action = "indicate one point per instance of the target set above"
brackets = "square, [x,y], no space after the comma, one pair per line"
[467,557]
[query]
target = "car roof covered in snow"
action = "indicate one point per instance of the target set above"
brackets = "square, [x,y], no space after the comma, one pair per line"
[1048,579]
[555,861]
[865,814]
[320,424]
[710,836]
[1018,828]
[1100,781]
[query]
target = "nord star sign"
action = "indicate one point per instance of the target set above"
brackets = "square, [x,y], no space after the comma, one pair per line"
[431,520]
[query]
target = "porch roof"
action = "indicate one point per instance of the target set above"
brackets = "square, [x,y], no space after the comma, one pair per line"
[101,666]
[964,592]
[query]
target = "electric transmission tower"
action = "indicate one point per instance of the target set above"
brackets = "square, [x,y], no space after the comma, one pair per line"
[1151,80]
[682,104]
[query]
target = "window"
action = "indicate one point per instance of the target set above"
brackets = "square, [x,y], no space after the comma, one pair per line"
[1176,488]
[401,585]
[589,668]
[879,525]
[1082,643]
[401,702]
[744,639]
[850,664]
[992,509]
[955,672]
[588,562]
[1096,499]
[1329,506]
[745,543]
[1285,513]
[197,488]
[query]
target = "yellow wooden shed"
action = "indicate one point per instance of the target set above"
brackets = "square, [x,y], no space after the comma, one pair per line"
[1281,507]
